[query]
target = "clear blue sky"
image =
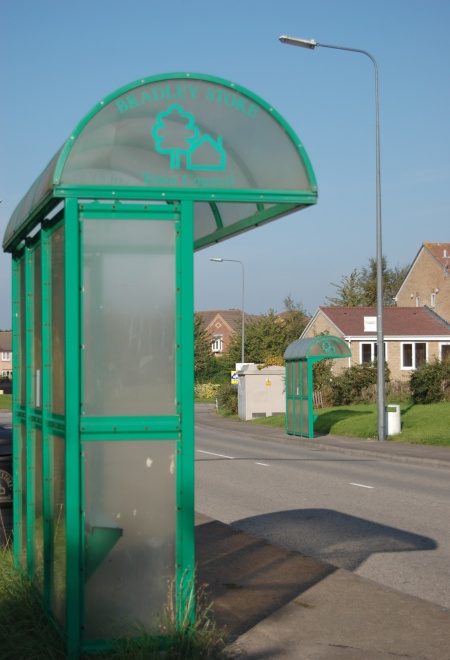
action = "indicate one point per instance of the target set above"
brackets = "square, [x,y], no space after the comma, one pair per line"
[58,58]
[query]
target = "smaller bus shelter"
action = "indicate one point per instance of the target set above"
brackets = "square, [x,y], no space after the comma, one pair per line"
[300,357]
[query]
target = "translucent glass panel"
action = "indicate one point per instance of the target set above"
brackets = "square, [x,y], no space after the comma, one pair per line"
[130,522]
[23,495]
[57,298]
[58,588]
[205,223]
[304,377]
[305,417]
[296,369]
[187,133]
[40,188]
[37,332]
[129,317]
[290,420]
[289,384]
[38,511]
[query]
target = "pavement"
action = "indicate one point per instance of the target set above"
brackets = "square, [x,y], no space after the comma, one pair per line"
[279,604]
[276,603]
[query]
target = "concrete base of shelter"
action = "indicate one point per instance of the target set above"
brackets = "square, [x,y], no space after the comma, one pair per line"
[275,603]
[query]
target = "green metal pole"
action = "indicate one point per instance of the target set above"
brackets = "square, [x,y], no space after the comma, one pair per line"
[47,458]
[185,544]
[16,422]
[30,478]
[72,439]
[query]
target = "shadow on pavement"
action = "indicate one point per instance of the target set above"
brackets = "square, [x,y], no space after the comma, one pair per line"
[248,579]
[338,538]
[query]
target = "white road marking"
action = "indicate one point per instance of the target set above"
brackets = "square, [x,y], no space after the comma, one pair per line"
[211,453]
[265,464]
[360,485]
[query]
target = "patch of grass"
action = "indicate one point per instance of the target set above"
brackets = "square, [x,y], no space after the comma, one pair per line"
[277,421]
[26,633]
[5,401]
[427,424]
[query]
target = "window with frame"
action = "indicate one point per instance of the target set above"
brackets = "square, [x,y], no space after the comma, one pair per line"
[369,350]
[6,356]
[217,344]
[445,352]
[414,354]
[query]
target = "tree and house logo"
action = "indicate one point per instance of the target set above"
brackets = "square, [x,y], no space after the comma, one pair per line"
[176,135]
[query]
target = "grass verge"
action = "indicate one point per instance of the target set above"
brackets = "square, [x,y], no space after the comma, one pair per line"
[26,633]
[5,401]
[421,424]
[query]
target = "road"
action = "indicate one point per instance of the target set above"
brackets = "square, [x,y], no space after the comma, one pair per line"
[385,520]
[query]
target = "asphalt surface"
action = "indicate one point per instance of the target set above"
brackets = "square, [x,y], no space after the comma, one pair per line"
[378,512]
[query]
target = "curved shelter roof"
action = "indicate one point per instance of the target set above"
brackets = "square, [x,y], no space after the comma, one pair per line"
[322,347]
[179,136]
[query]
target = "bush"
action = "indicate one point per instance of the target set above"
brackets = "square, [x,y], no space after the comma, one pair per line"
[227,398]
[206,391]
[431,382]
[350,386]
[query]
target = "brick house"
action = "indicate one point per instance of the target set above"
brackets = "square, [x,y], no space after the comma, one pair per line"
[221,325]
[5,354]
[413,336]
[428,280]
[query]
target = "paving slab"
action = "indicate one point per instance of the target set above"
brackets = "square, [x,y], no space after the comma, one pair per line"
[276,603]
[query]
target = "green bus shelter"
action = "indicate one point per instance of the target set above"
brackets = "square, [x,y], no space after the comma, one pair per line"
[300,356]
[103,414]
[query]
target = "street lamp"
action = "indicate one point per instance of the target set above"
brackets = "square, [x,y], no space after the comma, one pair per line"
[236,261]
[311,44]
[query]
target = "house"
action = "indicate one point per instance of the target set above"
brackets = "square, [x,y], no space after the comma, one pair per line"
[428,280]
[413,336]
[5,354]
[221,325]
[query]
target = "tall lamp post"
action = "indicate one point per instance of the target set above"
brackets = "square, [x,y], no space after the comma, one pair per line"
[236,261]
[311,44]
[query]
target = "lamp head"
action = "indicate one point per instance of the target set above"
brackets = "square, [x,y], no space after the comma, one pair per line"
[217,259]
[294,41]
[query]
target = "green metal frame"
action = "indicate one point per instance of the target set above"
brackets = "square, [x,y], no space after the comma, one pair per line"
[16,421]
[119,203]
[299,356]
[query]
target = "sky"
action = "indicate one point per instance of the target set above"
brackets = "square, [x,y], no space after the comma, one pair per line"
[59,58]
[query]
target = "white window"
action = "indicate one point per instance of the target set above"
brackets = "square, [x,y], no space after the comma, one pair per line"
[433,300]
[414,354]
[370,324]
[368,352]
[444,352]
[6,356]
[6,373]
[217,344]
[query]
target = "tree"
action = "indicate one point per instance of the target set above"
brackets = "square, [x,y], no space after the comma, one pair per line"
[268,336]
[204,365]
[350,293]
[360,287]
[295,319]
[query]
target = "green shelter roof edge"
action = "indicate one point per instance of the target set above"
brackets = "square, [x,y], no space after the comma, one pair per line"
[322,346]
[181,135]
